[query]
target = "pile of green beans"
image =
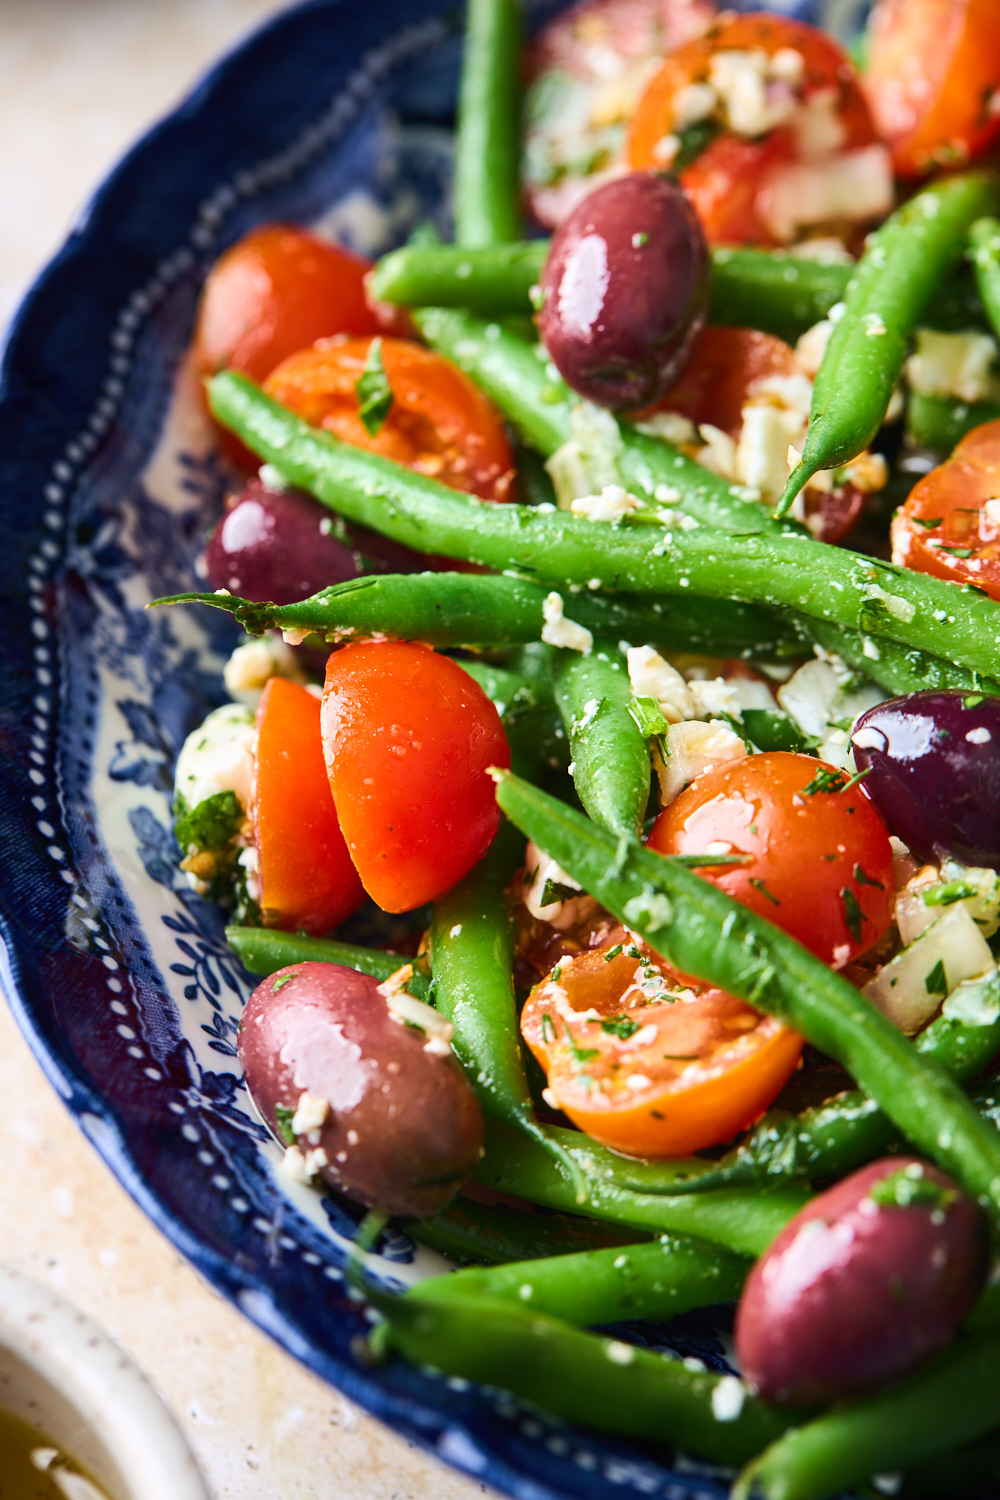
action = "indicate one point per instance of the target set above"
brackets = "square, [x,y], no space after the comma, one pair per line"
[698,566]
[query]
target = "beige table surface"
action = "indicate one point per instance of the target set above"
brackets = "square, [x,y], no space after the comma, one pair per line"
[79,80]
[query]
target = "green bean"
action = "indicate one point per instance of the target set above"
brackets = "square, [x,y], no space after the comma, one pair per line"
[940,422]
[771,290]
[658,1280]
[597,1381]
[984,252]
[471,1231]
[610,758]
[539,405]
[892,666]
[905,261]
[950,1401]
[777,571]
[472,962]
[529,716]
[745,1220]
[701,931]
[487,149]
[493,280]
[263,950]
[466,609]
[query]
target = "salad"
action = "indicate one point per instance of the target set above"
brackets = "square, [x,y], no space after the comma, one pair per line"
[623,617]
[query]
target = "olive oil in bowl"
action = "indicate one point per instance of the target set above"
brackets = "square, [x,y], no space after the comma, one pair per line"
[33,1468]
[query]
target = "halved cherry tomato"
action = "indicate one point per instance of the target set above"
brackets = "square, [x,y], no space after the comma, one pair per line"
[726,369]
[933,80]
[439,423]
[723,182]
[408,737]
[950,523]
[306,876]
[276,290]
[646,1064]
[820,862]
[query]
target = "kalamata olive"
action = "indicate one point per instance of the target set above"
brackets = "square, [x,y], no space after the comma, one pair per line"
[933,764]
[376,1107]
[869,1279]
[625,291]
[276,545]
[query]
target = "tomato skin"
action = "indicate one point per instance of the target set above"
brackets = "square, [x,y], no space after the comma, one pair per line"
[274,291]
[408,738]
[723,181]
[306,875]
[933,69]
[439,423]
[669,1076]
[807,849]
[954,496]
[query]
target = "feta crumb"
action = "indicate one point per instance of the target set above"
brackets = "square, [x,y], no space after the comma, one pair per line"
[252,665]
[219,756]
[310,1113]
[558,631]
[670,427]
[610,505]
[978,736]
[550,1099]
[293,1164]
[692,104]
[619,1353]
[651,676]
[714,697]
[455,931]
[719,452]
[727,1399]
[953,364]
[851,185]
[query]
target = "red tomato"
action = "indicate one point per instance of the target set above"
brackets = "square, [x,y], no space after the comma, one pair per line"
[933,80]
[726,368]
[724,180]
[276,290]
[408,738]
[821,865]
[307,879]
[946,527]
[645,1063]
[439,423]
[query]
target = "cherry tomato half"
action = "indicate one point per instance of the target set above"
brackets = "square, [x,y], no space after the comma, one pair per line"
[723,182]
[277,290]
[950,523]
[933,80]
[821,861]
[439,424]
[646,1064]
[306,876]
[408,737]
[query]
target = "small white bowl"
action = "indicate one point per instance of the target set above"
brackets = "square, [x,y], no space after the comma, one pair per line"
[62,1374]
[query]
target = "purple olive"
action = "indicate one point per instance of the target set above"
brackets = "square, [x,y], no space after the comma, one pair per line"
[276,545]
[377,1108]
[869,1279]
[933,764]
[625,291]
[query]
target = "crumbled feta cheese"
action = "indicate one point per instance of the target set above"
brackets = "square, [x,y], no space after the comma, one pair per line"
[953,364]
[666,149]
[978,736]
[740,80]
[219,757]
[409,1011]
[671,427]
[719,452]
[815,697]
[692,104]
[714,696]
[851,185]
[252,665]
[874,325]
[694,747]
[653,677]
[974,1002]
[761,457]
[728,1398]
[293,1164]
[817,125]
[588,460]
[249,862]
[811,346]
[610,505]
[619,1353]
[543,871]
[558,631]
[311,1113]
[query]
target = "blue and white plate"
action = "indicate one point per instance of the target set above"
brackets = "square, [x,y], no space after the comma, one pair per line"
[119,976]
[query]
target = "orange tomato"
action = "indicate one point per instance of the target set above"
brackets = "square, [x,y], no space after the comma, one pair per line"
[439,424]
[946,526]
[724,180]
[306,876]
[933,80]
[276,290]
[820,864]
[646,1064]
[408,738]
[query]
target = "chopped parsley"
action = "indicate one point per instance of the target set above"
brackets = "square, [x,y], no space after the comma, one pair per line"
[211,825]
[929,524]
[373,391]
[949,893]
[693,141]
[548,1028]
[825,780]
[580,1054]
[853,915]
[648,717]
[613,952]
[284,1117]
[282,980]
[864,879]
[554,891]
[621,1027]
[760,886]
[936,982]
